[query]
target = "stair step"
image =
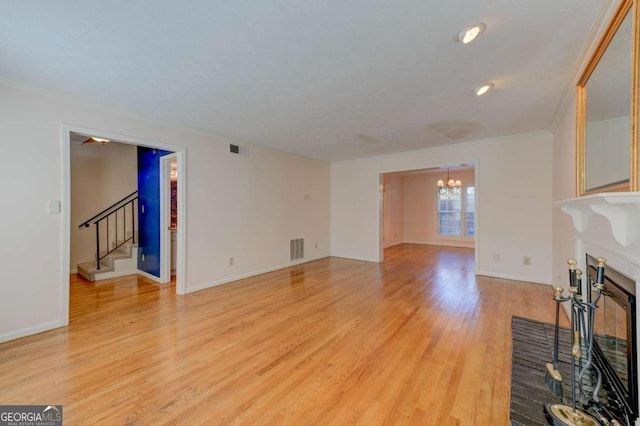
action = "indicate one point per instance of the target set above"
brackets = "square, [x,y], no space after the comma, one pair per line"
[89,269]
[112,257]
[125,248]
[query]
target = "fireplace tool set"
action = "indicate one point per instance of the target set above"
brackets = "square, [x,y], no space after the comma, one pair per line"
[574,412]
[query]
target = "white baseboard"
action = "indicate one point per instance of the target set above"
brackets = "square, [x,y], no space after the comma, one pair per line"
[394,244]
[30,330]
[114,274]
[362,259]
[250,274]
[148,275]
[445,243]
[510,277]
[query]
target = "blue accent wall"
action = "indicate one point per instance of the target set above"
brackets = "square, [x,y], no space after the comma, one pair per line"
[149,209]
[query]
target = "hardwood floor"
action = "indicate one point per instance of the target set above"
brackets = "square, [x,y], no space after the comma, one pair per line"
[417,339]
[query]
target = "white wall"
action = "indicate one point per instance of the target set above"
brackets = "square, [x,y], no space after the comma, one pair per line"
[100,176]
[564,187]
[420,206]
[564,180]
[513,184]
[393,227]
[246,206]
[597,238]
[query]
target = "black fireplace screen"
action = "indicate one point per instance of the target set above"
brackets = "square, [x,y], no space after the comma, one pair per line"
[615,347]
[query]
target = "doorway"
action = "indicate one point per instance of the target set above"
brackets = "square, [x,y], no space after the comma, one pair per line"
[169,195]
[415,209]
[180,169]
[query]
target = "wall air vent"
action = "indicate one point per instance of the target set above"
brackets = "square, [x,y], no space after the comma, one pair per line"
[234,149]
[297,248]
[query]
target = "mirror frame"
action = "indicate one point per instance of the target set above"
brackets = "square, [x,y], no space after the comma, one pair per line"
[626,7]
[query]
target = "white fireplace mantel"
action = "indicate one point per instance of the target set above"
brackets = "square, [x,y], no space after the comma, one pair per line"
[621,209]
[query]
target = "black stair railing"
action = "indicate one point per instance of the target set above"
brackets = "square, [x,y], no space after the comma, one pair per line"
[112,224]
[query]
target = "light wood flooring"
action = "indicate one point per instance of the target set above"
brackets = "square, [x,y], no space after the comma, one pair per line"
[417,340]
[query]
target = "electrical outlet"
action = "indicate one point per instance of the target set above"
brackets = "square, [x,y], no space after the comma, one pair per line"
[526,260]
[316,245]
[232,261]
[496,257]
[143,257]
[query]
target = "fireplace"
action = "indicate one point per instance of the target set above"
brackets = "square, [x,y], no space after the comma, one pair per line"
[608,225]
[615,335]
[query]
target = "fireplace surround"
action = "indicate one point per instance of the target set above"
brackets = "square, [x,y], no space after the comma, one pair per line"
[608,225]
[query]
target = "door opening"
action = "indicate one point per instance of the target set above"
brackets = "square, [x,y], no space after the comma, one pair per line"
[169,215]
[69,132]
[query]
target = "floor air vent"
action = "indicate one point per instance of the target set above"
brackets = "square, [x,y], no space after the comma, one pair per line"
[297,249]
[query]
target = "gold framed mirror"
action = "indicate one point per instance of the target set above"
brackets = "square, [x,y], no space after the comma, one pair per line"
[607,109]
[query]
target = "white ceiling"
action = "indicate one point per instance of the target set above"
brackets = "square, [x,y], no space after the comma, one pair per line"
[326,79]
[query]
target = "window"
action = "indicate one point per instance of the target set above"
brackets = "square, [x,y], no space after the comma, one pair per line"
[449,209]
[470,211]
[456,212]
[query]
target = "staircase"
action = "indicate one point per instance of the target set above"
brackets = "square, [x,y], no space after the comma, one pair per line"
[123,261]
[115,237]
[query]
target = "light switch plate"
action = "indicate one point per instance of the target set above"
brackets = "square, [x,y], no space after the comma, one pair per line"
[54,206]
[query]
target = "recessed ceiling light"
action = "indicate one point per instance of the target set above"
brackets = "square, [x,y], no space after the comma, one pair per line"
[481,90]
[471,33]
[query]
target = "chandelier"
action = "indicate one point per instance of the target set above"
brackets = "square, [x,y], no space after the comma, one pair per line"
[450,186]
